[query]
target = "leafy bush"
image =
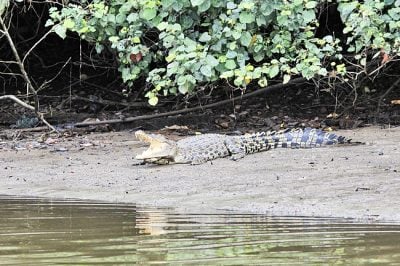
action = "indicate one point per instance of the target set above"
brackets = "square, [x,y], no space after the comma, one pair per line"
[179,45]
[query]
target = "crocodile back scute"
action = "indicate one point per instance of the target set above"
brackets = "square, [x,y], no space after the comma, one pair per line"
[202,148]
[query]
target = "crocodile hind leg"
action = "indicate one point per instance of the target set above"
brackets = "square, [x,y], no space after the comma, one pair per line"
[236,150]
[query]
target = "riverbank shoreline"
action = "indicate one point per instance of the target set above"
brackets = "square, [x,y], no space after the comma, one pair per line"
[360,182]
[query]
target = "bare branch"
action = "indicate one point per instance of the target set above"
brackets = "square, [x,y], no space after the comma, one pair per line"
[8,62]
[25,77]
[10,74]
[37,43]
[18,101]
[58,73]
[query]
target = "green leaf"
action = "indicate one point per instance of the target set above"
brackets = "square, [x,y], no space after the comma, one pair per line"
[4,5]
[113,39]
[175,27]
[273,71]
[345,9]
[231,5]
[258,57]
[246,17]
[177,5]
[153,100]
[162,26]
[132,17]
[308,16]
[136,39]
[246,4]
[286,78]
[60,30]
[238,81]
[230,64]
[245,39]
[204,6]
[204,37]
[236,34]
[120,18]
[323,72]
[227,74]
[170,57]
[261,20]
[196,2]
[148,13]
[212,61]
[99,48]
[181,80]
[232,45]
[183,88]
[311,4]
[394,13]
[167,3]
[206,70]
[49,22]
[186,22]
[263,82]
[69,23]
[231,54]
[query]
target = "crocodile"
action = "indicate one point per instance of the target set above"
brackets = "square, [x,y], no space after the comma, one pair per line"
[199,149]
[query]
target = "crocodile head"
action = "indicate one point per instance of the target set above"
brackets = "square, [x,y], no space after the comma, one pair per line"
[161,150]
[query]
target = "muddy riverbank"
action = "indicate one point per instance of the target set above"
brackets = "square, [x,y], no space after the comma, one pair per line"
[360,182]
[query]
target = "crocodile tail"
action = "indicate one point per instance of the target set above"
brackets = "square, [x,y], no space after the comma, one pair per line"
[304,138]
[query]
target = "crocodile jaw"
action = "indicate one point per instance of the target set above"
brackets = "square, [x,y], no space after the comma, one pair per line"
[158,151]
[161,150]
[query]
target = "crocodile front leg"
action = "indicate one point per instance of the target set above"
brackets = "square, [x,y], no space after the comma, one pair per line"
[236,149]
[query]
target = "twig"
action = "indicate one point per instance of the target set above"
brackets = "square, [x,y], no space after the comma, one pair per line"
[37,43]
[186,110]
[44,85]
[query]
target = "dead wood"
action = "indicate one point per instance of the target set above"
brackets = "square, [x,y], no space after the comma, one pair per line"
[197,108]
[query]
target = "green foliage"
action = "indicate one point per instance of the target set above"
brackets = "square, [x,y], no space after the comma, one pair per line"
[179,45]
[3,6]
[371,25]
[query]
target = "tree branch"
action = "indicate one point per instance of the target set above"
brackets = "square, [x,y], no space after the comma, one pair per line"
[187,110]
[18,101]
[36,44]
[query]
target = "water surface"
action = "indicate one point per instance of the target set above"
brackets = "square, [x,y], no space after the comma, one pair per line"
[35,231]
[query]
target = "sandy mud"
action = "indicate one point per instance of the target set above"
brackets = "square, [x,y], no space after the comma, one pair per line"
[361,182]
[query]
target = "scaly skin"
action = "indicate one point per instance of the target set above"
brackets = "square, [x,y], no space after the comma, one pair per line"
[202,148]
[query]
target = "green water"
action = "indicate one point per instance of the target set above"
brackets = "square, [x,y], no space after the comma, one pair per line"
[43,232]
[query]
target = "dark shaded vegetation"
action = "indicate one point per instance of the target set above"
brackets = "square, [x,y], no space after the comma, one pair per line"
[74,83]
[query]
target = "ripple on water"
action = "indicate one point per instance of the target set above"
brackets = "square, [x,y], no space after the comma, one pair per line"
[37,231]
